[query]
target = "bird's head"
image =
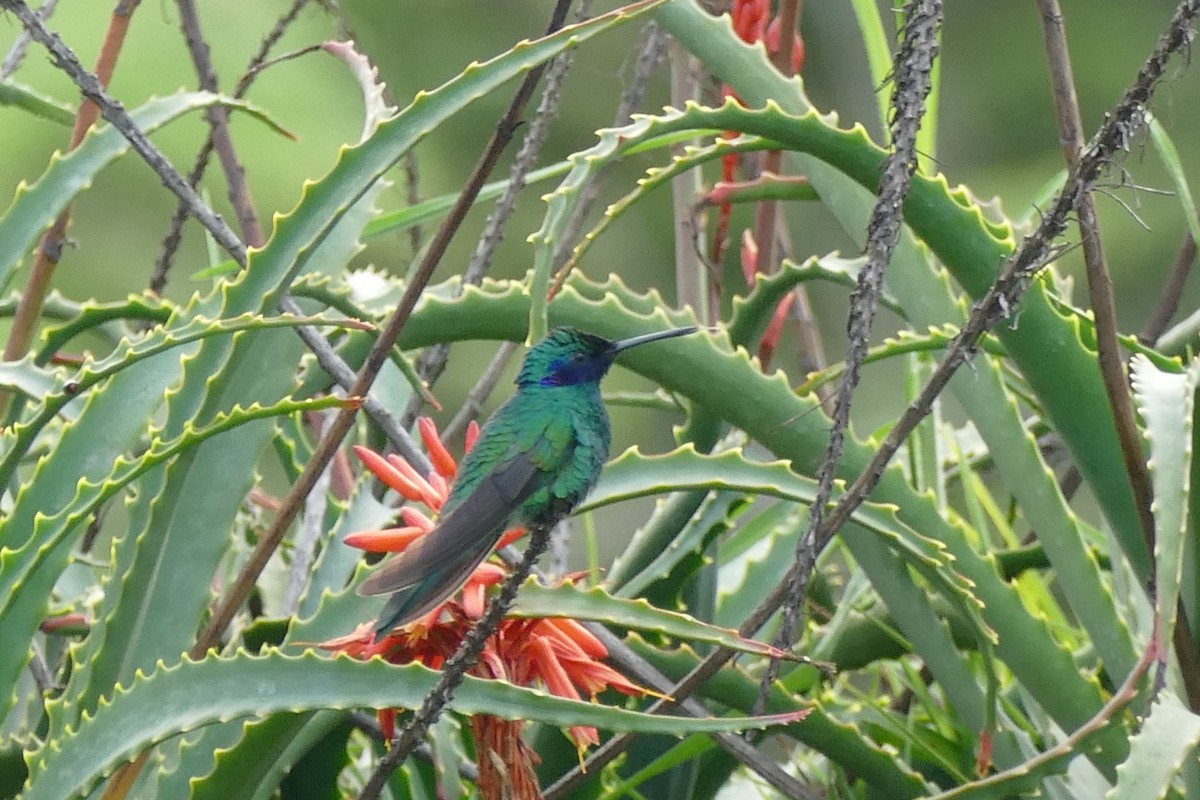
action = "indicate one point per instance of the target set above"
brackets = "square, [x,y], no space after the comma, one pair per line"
[569,357]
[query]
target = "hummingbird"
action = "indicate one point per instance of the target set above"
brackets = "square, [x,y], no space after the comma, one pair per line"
[536,458]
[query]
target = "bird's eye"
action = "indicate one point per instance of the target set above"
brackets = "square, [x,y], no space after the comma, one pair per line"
[578,357]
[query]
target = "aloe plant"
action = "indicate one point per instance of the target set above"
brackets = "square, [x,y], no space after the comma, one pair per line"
[977,628]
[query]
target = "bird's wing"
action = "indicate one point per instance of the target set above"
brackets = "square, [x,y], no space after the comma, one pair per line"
[440,562]
[471,529]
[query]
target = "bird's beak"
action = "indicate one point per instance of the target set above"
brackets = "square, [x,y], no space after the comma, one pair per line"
[634,341]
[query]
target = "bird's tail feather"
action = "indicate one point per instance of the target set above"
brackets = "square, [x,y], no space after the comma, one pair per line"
[435,565]
[415,601]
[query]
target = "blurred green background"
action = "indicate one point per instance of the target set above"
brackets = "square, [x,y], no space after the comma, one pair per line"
[997,135]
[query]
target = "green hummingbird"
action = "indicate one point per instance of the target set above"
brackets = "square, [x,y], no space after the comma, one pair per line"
[536,458]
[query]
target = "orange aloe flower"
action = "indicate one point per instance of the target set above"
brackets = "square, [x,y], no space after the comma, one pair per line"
[558,654]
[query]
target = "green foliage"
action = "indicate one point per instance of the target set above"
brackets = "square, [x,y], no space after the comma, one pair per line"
[133,485]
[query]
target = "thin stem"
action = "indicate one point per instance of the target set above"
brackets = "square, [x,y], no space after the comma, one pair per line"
[396,433]
[16,53]
[481,391]
[174,235]
[1104,310]
[218,120]
[691,283]
[412,195]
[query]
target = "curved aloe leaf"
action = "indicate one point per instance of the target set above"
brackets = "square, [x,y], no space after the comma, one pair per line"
[597,605]
[194,694]
[28,574]
[20,96]
[264,755]
[635,475]
[1169,735]
[1165,401]
[35,206]
[63,392]
[29,379]
[906,342]
[103,319]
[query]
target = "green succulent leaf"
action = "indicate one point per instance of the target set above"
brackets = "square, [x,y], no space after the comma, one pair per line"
[597,605]
[1165,401]
[1169,735]
[17,95]
[193,694]
[36,205]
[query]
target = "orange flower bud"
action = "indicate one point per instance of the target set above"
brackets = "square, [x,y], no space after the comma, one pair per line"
[415,518]
[443,462]
[391,477]
[428,496]
[389,540]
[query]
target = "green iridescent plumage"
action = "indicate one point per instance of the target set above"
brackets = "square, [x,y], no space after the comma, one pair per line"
[537,457]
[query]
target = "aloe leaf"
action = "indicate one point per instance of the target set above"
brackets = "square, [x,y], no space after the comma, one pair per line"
[28,574]
[17,95]
[749,565]
[27,378]
[194,694]
[62,393]
[843,742]
[102,319]
[336,563]
[597,605]
[687,751]
[752,313]
[1165,401]
[636,475]
[37,205]
[1170,158]
[670,572]
[1157,753]
[905,342]
[266,753]
[170,770]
